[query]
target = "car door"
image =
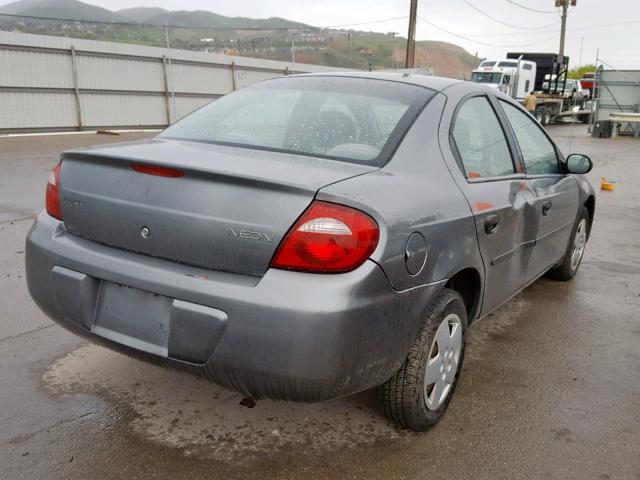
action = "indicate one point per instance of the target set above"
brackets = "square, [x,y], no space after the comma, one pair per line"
[557,193]
[502,201]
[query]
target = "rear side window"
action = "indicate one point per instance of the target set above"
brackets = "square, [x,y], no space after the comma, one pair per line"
[349,119]
[480,141]
[538,152]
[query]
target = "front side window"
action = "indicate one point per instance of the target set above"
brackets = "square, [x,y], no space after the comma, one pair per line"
[480,141]
[538,152]
[340,118]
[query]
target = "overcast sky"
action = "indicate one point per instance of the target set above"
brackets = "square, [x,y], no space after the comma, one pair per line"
[599,22]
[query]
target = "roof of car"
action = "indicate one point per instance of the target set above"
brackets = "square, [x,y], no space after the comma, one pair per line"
[428,81]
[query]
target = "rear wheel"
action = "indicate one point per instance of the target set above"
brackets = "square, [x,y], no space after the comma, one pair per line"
[417,396]
[575,249]
[546,120]
[539,114]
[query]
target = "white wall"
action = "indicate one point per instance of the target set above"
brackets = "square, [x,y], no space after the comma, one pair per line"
[118,85]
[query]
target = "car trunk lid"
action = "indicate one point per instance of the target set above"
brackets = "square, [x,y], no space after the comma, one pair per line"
[214,207]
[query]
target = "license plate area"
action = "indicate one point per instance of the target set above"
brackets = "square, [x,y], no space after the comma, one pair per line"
[133,317]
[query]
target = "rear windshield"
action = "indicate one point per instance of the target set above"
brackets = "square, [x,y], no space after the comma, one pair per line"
[343,118]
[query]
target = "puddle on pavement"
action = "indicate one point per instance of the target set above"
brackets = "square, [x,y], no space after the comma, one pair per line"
[494,328]
[184,411]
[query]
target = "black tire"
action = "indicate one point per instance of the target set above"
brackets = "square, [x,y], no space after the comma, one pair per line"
[402,398]
[539,114]
[546,119]
[585,118]
[566,270]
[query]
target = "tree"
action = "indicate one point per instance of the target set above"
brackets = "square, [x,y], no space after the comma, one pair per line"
[579,71]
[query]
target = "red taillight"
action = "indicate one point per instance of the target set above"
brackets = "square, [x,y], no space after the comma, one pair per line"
[52,198]
[157,171]
[328,238]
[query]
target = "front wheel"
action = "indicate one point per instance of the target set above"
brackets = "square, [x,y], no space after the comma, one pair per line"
[575,249]
[418,394]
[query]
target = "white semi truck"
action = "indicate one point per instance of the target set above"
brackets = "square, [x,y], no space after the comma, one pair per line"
[543,73]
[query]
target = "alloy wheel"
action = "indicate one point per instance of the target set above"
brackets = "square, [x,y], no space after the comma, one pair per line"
[579,242]
[443,362]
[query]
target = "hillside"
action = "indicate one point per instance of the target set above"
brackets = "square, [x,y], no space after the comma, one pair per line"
[70,9]
[141,14]
[204,30]
[76,10]
[387,52]
[202,19]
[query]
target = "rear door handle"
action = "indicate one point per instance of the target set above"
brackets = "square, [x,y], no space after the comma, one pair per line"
[491,223]
[546,206]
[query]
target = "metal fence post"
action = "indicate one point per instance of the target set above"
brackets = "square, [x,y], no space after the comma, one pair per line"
[76,87]
[233,75]
[166,89]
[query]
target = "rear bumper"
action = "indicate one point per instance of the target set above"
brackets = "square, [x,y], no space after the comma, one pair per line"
[286,335]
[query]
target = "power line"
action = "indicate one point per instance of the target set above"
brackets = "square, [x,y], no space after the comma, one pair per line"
[365,23]
[483,43]
[135,24]
[578,27]
[505,23]
[529,8]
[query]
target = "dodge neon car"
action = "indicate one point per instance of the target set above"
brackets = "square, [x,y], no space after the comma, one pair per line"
[313,236]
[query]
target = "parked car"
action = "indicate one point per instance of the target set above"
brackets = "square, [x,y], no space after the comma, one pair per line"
[313,236]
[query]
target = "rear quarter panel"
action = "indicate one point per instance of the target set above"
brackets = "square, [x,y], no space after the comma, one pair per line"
[415,192]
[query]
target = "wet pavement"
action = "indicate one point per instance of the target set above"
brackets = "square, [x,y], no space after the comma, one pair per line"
[550,387]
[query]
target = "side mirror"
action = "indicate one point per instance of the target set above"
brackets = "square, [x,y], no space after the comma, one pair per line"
[579,164]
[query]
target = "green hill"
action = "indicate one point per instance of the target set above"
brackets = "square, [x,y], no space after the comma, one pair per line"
[204,19]
[141,14]
[70,9]
[203,30]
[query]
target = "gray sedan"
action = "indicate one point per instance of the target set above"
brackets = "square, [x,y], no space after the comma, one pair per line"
[313,236]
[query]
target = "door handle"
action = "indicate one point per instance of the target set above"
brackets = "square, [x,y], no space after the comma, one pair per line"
[491,223]
[546,206]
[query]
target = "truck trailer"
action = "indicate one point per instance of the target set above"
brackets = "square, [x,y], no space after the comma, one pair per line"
[545,74]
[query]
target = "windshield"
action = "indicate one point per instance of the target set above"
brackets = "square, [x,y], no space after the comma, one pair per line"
[482,77]
[349,119]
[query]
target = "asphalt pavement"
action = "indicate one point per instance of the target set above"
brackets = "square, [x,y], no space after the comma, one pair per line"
[550,387]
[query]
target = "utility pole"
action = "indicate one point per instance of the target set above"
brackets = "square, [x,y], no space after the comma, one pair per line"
[565,8]
[411,37]
[580,58]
